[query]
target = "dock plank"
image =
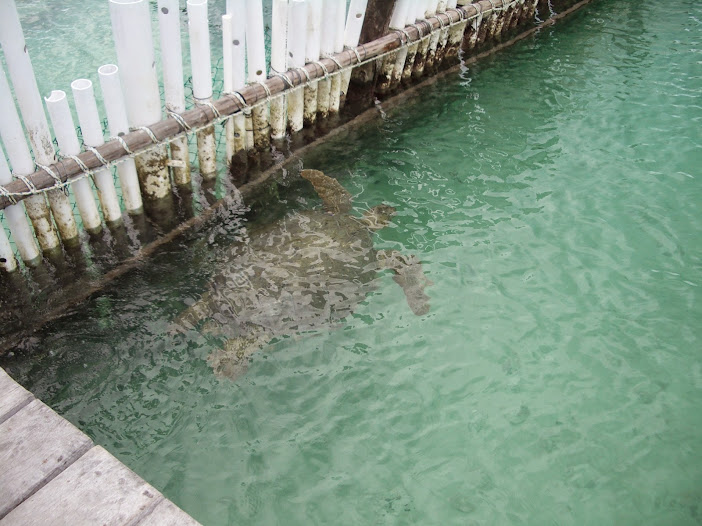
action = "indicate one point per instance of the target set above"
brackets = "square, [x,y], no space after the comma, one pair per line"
[36,444]
[13,396]
[96,489]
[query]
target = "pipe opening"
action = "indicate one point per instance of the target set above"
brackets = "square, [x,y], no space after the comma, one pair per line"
[81,84]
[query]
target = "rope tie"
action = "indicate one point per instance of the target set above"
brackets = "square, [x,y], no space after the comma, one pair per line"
[209,104]
[239,97]
[304,71]
[286,79]
[404,31]
[265,88]
[97,154]
[324,68]
[58,183]
[441,22]
[80,163]
[148,132]
[5,193]
[355,51]
[125,147]
[460,14]
[334,60]
[178,118]
[492,6]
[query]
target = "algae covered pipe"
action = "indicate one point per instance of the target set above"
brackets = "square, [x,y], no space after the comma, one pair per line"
[229,104]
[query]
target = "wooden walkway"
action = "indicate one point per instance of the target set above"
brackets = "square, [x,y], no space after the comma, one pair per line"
[52,473]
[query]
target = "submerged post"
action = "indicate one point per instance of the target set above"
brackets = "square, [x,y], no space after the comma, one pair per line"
[172,64]
[19,66]
[119,125]
[199,32]
[67,139]
[91,128]
[131,28]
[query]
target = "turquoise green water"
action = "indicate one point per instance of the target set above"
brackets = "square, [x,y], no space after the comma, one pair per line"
[553,193]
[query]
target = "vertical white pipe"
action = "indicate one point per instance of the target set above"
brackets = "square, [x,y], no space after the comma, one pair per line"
[237,10]
[228,87]
[119,125]
[255,47]
[419,9]
[256,55]
[329,11]
[451,4]
[15,142]
[297,31]
[199,31]
[19,66]
[430,8]
[312,51]
[399,14]
[65,131]
[17,221]
[279,30]
[91,128]
[352,34]
[354,22]
[172,65]
[131,29]
[338,29]
[7,257]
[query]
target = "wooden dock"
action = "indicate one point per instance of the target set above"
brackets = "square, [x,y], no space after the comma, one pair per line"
[52,473]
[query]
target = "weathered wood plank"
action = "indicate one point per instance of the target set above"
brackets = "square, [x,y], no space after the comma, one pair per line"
[95,489]
[36,444]
[168,514]
[13,396]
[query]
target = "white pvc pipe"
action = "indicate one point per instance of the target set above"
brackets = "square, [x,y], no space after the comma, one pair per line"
[131,29]
[451,4]
[326,48]
[19,66]
[17,221]
[398,19]
[338,29]
[7,257]
[314,30]
[173,84]
[14,215]
[228,86]
[199,31]
[118,124]
[354,22]
[237,10]
[419,9]
[279,30]
[256,61]
[441,6]
[352,34]
[65,130]
[430,8]
[255,46]
[171,54]
[297,31]
[91,128]
[12,136]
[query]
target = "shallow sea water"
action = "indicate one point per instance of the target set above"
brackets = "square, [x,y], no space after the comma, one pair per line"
[553,193]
